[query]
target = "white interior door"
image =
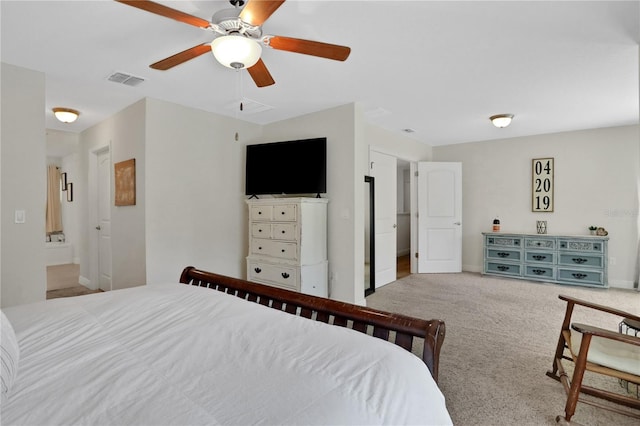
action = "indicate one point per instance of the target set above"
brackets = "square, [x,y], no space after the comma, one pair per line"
[439,217]
[384,170]
[104,220]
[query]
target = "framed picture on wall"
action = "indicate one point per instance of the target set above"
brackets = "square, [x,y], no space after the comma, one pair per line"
[125,179]
[69,190]
[542,185]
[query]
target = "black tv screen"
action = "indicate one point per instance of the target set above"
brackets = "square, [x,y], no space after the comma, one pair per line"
[291,167]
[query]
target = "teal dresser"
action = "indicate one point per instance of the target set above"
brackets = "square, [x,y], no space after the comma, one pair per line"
[575,260]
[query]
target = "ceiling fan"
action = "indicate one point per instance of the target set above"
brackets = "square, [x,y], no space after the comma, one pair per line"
[239,38]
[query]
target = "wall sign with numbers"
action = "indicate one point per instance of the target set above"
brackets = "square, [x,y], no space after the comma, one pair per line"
[542,185]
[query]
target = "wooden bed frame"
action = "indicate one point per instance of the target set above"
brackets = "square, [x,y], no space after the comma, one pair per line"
[396,328]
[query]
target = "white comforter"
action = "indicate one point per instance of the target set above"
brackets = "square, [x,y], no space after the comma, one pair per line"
[185,355]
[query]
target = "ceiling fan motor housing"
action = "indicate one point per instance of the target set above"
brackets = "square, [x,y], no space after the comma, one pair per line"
[228,21]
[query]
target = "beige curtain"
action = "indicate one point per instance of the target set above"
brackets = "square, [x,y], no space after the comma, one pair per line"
[54,216]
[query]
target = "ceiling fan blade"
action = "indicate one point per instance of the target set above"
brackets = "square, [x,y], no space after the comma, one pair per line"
[258,11]
[181,57]
[167,12]
[260,74]
[308,47]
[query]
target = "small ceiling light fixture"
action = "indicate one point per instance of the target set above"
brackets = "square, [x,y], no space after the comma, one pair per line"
[501,120]
[66,115]
[236,51]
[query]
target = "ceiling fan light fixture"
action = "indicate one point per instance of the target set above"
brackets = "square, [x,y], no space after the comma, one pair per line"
[501,120]
[66,115]
[236,51]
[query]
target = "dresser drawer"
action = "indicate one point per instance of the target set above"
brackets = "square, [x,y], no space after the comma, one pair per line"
[581,276]
[283,231]
[505,241]
[581,245]
[503,268]
[581,259]
[540,272]
[540,257]
[540,243]
[284,212]
[279,275]
[276,231]
[272,248]
[261,212]
[503,254]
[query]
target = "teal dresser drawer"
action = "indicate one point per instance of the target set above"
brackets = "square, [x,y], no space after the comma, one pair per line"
[581,259]
[581,276]
[580,245]
[540,257]
[540,243]
[502,254]
[540,272]
[503,268]
[504,241]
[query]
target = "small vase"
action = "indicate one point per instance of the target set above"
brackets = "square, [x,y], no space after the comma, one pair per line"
[592,231]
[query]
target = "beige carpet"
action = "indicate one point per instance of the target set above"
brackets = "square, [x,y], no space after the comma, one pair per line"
[500,340]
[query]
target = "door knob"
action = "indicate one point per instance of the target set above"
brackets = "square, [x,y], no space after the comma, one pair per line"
[457,223]
[395,225]
[98,227]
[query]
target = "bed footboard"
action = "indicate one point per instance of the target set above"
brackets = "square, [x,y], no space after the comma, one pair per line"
[402,330]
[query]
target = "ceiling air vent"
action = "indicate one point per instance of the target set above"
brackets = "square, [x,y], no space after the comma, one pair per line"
[126,79]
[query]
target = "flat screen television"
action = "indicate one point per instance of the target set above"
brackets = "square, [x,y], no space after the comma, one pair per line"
[290,167]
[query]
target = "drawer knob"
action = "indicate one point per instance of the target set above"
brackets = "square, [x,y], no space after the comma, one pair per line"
[539,257]
[258,270]
[285,275]
[579,260]
[283,231]
[259,212]
[539,271]
[259,230]
[503,254]
[579,276]
[281,212]
[282,250]
[259,248]
[503,268]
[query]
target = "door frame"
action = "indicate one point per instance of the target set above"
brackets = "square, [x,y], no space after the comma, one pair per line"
[92,208]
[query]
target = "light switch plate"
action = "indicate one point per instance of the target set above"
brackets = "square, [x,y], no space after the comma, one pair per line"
[20,216]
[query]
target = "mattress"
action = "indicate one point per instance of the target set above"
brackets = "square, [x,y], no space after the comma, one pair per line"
[173,354]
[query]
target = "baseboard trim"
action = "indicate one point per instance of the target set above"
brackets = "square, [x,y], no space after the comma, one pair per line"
[86,282]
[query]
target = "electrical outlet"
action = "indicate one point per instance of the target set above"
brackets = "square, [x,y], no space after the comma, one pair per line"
[612,261]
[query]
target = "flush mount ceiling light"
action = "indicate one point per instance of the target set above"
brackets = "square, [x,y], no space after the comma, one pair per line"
[66,115]
[236,51]
[501,120]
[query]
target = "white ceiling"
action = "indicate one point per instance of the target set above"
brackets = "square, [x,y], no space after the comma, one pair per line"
[439,68]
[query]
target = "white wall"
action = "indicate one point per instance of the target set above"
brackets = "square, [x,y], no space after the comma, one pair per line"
[343,127]
[195,209]
[596,183]
[23,185]
[124,133]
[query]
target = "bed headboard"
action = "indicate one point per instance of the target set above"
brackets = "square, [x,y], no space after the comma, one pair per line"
[406,332]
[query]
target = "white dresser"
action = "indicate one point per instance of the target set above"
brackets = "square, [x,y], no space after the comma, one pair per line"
[288,244]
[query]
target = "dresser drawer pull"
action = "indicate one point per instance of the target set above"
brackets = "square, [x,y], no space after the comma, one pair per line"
[579,276]
[282,250]
[503,254]
[285,275]
[259,248]
[282,212]
[539,271]
[503,268]
[258,270]
[579,260]
[284,232]
[539,257]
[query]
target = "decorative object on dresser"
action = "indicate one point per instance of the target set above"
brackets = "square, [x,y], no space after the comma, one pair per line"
[288,244]
[592,230]
[542,185]
[541,226]
[575,260]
